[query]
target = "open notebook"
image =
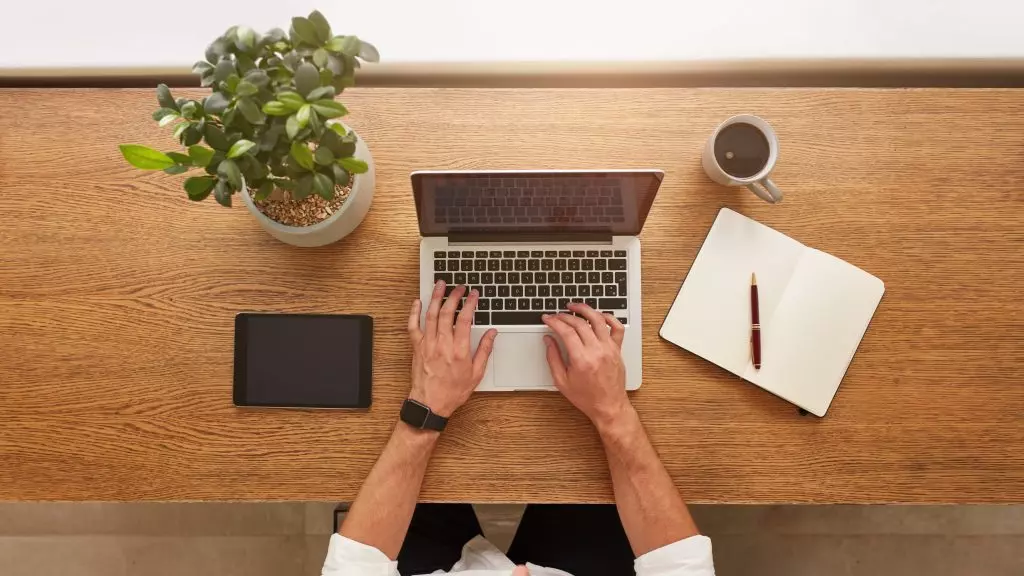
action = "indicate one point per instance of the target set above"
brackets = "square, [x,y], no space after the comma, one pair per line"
[814,310]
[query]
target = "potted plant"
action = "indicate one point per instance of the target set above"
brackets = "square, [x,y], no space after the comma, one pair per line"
[270,131]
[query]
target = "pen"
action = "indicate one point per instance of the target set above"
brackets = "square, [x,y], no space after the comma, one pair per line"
[755,324]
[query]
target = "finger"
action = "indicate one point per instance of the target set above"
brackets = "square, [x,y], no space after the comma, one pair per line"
[569,337]
[447,317]
[483,353]
[582,327]
[555,362]
[618,330]
[597,322]
[465,322]
[435,306]
[415,334]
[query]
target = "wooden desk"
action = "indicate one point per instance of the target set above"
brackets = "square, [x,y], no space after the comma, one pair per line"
[117,297]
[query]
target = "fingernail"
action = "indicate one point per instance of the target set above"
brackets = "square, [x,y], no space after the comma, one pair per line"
[473,293]
[545,317]
[439,283]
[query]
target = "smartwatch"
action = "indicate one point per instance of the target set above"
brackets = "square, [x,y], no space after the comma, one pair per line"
[419,415]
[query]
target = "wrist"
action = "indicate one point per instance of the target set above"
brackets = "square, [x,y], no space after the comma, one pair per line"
[612,421]
[442,409]
[420,437]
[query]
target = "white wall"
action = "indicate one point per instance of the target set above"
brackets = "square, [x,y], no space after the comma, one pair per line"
[130,33]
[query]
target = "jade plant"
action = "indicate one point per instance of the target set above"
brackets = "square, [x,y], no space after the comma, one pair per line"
[266,123]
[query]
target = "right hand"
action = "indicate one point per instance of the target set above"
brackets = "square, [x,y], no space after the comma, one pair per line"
[595,378]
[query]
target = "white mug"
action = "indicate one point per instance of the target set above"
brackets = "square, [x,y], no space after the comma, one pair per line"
[758,183]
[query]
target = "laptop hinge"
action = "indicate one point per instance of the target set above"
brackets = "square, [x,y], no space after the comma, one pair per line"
[530,238]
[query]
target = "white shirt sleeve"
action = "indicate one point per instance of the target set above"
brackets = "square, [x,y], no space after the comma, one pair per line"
[347,557]
[687,557]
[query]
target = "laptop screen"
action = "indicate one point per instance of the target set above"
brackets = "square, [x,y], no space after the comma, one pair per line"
[615,203]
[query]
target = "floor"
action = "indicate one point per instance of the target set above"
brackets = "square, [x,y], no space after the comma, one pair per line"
[275,539]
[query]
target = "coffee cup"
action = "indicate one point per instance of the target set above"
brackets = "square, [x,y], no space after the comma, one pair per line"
[742,151]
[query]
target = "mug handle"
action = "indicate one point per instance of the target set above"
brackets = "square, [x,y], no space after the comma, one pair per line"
[766,190]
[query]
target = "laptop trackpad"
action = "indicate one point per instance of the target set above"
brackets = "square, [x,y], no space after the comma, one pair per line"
[520,361]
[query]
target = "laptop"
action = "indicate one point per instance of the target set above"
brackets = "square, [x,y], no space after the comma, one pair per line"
[530,242]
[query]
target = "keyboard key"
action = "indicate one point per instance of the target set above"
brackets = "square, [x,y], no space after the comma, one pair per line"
[592,254]
[563,303]
[550,304]
[494,265]
[578,253]
[607,277]
[564,254]
[530,291]
[537,304]
[483,304]
[482,318]
[439,265]
[553,278]
[509,254]
[576,300]
[517,290]
[520,265]
[550,254]
[567,277]
[620,277]
[594,277]
[480,265]
[620,253]
[537,254]
[570,290]
[467,265]
[557,290]
[597,290]
[523,254]
[543,290]
[583,290]
[494,254]
[587,264]
[617,264]
[479,290]
[574,264]
[527,277]
[448,289]
[500,278]
[453,265]
[547,264]
[612,303]
[503,291]
[533,264]
[600,264]
[506,265]
[481,254]
[473,278]
[507,318]
[608,254]
[497,304]
[490,291]
[487,278]
[513,277]
[561,264]
[592,302]
[467,254]
[453,254]
[581,278]
[446,276]
[611,290]
[510,303]
[524,303]
[540,278]
[621,320]
[460,278]
[439,254]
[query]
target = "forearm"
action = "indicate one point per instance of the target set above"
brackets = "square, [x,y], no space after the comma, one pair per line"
[383,508]
[652,511]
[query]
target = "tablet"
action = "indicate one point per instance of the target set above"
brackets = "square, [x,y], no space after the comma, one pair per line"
[303,360]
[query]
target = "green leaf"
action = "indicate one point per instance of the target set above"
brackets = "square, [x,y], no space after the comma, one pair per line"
[162,112]
[302,116]
[199,187]
[200,155]
[231,83]
[240,147]
[305,30]
[323,29]
[302,155]
[191,135]
[303,187]
[350,45]
[180,158]
[339,129]
[222,193]
[292,100]
[180,129]
[292,127]
[176,169]
[246,88]
[323,156]
[163,96]
[307,78]
[216,50]
[202,67]
[250,110]
[316,123]
[190,110]
[320,57]
[323,185]
[145,158]
[368,52]
[275,108]
[168,119]
[264,191]
[326,76]
[223,69]
[330,108]
[229,171]
[216,103]
[321,93]
[353,165]
[341,176]
[284,184]
[246,38]
[215,137]
[257,78]
[335,44]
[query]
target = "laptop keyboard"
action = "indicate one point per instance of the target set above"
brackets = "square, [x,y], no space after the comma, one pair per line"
[507,199]
[517,287]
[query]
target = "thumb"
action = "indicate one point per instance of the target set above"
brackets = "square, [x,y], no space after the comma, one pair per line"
[555,362]
[520,571]
[483,353]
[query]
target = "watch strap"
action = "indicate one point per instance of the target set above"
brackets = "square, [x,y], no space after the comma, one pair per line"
[434,422]
[410,414]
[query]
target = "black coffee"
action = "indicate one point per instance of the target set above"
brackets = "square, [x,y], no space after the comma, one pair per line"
[741,150]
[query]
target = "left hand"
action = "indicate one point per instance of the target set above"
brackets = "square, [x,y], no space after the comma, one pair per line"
[444,373]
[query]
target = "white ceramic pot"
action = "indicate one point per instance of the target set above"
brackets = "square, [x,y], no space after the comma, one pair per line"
[339,224]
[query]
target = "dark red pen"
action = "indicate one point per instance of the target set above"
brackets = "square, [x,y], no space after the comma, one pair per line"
[755,324]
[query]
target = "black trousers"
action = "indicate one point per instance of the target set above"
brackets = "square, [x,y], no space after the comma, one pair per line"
[582,539]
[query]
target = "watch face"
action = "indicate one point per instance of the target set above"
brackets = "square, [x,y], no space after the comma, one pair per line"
[414,413]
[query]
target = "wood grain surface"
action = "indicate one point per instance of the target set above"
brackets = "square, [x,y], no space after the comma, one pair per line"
[117,297]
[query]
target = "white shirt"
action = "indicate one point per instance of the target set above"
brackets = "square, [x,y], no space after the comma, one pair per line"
[687,557]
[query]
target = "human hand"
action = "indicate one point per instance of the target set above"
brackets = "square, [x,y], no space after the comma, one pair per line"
[595,378]
[444,373]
